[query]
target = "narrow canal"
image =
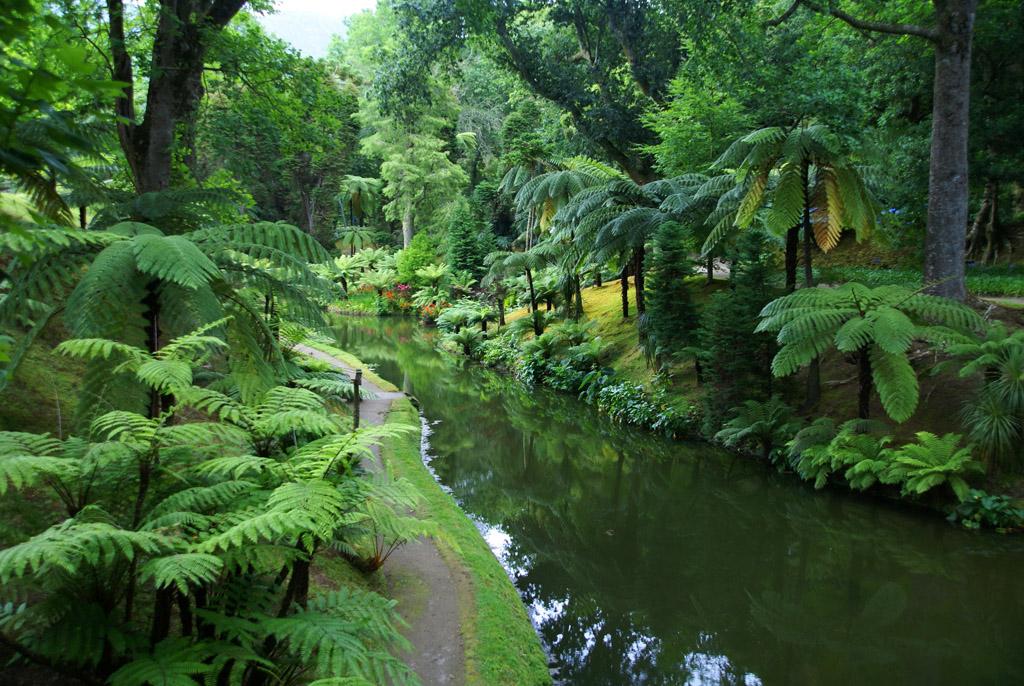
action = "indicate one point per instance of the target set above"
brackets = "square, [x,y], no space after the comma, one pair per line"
[645,561]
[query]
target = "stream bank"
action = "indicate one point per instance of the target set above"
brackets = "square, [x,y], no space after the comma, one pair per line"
[644,560]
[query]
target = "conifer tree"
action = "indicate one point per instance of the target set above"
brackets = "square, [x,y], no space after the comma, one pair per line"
[735,363]
[463,241]
[672,318]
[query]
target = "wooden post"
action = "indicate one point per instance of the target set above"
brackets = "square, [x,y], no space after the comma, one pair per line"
[357,382]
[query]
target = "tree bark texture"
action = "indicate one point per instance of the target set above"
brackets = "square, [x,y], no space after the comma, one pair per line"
[175,85]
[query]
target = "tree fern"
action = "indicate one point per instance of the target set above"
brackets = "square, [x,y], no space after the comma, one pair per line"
[879,325]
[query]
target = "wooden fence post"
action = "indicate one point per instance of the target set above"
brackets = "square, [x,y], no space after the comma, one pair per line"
[357,383]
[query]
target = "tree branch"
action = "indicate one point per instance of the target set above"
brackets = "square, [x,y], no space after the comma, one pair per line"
[121,70]
[222,11]
[784,17]
[122,66]
[883,27]
[925,32]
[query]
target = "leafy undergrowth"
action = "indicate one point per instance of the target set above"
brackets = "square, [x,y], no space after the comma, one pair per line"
[359,303]
[603,306]
[40,397]
[941,397]
[501,644]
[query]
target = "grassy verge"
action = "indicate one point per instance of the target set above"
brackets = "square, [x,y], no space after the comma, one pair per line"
[603,306]
[501,645]
[354,362]
[1006,281]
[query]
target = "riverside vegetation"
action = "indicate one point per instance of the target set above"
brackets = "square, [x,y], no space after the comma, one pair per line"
[788,227]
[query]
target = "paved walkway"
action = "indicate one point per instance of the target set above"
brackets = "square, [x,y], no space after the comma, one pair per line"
[418,577]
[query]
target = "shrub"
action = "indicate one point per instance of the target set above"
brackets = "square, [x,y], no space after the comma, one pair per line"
[418,255]
[735,363]
[980,509]
[856,448]
[766,424]
[932,461]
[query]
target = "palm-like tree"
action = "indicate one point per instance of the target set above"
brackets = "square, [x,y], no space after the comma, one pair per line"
[793,178]
[379,280]
[348,268]
[878,325]
[353,238]
[433,275]
[361,195]
[503,264]
[614,221]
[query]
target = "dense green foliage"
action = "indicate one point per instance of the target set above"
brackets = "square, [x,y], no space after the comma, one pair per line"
[184,196]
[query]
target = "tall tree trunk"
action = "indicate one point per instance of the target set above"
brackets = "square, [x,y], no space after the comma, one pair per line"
[500,297]
[174,80]
[947,174]
[951,35]
[984,211]
[184,613]
[864,384]
[579,297]
[638,280]
[533,292]
[710,265]
[161,625]
[407,228]
[813,392]
[792,255]
[991,229]
[82,223]
[624,287]
[597,277]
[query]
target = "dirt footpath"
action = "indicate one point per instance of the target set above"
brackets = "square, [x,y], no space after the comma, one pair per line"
[418,577]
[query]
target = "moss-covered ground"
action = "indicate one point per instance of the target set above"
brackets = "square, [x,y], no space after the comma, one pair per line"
[501,645]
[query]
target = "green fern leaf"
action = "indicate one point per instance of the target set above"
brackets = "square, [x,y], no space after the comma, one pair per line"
[183,570]
[175,259]
[896,383]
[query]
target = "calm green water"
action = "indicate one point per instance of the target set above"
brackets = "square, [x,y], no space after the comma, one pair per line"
[644,561]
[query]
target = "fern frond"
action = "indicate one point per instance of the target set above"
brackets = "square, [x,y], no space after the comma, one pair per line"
[260,527]
[71,544]
[203,498]
[896,383]
[175,259]
[182,570]
[237,466]
[173,662]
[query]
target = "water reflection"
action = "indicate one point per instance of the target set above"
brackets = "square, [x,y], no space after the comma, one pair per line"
[649,562]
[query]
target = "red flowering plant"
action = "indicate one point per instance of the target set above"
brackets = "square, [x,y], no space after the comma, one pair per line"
[428,313]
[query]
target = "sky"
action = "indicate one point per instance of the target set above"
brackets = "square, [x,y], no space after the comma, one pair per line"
[309,24]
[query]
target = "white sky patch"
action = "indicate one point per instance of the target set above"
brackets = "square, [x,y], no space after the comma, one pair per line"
[309,24]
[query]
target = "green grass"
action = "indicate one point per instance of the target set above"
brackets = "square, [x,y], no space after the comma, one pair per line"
[603,306]
[997,280]
[501,645]
[354,362]
[358,302]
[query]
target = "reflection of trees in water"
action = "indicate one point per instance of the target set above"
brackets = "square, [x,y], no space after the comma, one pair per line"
[660,558]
